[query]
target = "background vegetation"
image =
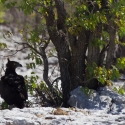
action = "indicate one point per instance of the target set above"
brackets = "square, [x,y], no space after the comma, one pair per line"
[88,37]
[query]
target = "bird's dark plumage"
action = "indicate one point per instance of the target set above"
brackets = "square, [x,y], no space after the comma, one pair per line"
[12,86]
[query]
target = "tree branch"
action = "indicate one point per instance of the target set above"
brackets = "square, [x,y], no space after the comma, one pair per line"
[61,14]
[45,74]
[29,47]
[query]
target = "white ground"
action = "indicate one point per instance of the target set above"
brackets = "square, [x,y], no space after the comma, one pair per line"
[46,116]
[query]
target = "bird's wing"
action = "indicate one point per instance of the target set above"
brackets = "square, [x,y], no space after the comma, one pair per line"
[17,84]
[20,86]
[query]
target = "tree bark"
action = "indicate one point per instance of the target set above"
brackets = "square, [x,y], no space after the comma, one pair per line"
[78,48]
[59,39]
[93,57]
[111,47]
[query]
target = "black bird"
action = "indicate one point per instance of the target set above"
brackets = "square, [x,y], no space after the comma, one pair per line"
[12,86]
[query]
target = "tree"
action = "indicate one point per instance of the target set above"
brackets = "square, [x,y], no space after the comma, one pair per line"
[84,38]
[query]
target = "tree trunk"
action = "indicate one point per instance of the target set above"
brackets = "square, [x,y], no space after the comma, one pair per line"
[72,63]
[121,49]
[78,48]
[93,57]
[59,39]
[111,48]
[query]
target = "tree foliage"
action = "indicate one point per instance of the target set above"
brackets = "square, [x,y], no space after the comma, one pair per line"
[84,34]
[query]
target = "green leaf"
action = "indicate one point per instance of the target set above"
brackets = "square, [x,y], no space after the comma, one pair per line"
[34,85]
[4,105]
[32,65]
[115,89]
[120,63]
[121,91]
[3,1]
[31,91]
[3,45]
[86,90]
[38,61]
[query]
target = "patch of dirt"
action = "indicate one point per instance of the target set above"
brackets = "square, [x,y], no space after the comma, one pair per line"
[60,111]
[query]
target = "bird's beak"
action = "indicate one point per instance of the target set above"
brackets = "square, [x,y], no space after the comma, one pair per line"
[19,65]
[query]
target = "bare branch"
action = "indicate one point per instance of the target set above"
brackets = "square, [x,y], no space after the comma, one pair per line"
[16,51]
[30,46]
[43,96]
